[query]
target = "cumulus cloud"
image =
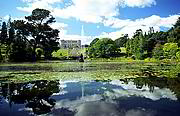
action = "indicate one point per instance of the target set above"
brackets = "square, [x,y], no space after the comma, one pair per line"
[130,89]
[130,26]
[58,25]
[48,1]
[88,10]
[33,4]
[151,21]
[138,3]
[100,11]
[6,17]
[92,11]
[13,18]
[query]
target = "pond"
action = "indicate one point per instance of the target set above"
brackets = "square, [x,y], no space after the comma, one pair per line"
[86,71]
[122,97]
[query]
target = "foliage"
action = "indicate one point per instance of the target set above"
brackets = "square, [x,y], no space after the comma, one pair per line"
[178,55]
[170,49]
[3,34]
[37,27]
[142,45]
[121,42]
[177,24]
[174,33]
[22,40]
[39,52]
[135,46]
[104,48]
[19,51]
[61,53]
[67,53]
[94,41]
[158,51]
[150,60]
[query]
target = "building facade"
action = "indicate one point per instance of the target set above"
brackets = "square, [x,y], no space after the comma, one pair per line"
[70,44]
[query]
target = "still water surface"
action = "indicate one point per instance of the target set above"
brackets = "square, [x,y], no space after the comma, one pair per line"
[125,97]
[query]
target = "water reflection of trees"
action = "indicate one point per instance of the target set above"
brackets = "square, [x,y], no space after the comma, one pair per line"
[172,83]
[35,95]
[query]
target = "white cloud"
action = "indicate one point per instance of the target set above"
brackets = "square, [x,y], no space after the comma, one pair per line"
[95,10]
[48,1]
[92,11]
[33,4]
[169,21]
[89,10]
[138,3]
[6,17]
[129,26]
[58,25]
[12,18]
[151,21]
[130,89]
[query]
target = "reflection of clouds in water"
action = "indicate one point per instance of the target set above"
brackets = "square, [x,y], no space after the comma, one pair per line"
[130,89]
[75,103]
[93,105]
[100,108]
[62,86]
[97,109]
[60,93]
[140,112]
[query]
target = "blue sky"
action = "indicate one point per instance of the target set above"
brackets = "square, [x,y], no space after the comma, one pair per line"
[100,18]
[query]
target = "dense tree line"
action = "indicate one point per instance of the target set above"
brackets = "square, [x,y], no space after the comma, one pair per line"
[142,45]
[27,40]
[103,48]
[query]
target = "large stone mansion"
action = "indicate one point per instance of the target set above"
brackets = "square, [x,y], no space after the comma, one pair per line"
[69,44]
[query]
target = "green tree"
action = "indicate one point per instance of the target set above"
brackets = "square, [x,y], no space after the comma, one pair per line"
[151,42]
[38,28]
[137,45]
[170,49]
[137,33]
[174,33]
[3,35]
[158,51]
[20,50]
[94,41]
[7,36]
[177,24]
[91,49]
[104,48]
[128,47]
[121,42]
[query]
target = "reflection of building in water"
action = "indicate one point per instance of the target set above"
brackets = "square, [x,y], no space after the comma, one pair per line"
[70,44]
